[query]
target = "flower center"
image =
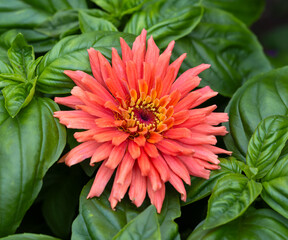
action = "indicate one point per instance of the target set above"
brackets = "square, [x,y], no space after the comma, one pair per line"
[144,113]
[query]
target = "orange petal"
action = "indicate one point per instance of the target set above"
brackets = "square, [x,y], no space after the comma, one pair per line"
[102,152]
[177,167]
[134,149]
[125,168]
[102,178]
[154,137]
[156,197]
[137,191]
[151,150]
[81,152]
[141,140]
[144,163]
[116,155]
[178,185]
[162,168]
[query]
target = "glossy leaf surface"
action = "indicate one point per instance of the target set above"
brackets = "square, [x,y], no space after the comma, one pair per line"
[201,188]
[30,143]
[71,54]
[266,143]
[260,97]
[246,10]
[275,191]
[165,20]
[231,197]
[97,220]
[255,224]
[232,58]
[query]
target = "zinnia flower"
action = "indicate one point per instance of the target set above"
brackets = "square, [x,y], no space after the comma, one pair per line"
[142,123]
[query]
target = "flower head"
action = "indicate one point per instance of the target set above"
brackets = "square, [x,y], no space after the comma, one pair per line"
[141,121]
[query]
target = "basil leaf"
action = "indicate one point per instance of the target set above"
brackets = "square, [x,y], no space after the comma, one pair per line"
[30,143]
[254,224]
[20,56]
[109,223]
[144,226]
[266,143]
[232,58]
[275,191]
[29,236]
[231,197]
[262,96]
[246,10]
[18,96]
[89,23]
[14,13]
[119,8]
[60,23]
[165,20]
[201,188]
[71,54]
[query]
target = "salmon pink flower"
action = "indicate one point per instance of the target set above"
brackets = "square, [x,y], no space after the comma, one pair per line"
[141,121]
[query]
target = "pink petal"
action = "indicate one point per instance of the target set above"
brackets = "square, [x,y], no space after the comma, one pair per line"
[144,163]
[195,167]
[134,149]
[81,152]
[116,155]
[151,150]
[177,133]
[205,93]
[187,102]
[177,167]
[102,152]
[161,166]
[152,53]
[156,197]
[95,65]
[102,178]
[126,51]
[125,168]
[70,101]
[178,185]
[137,191]
[189,74]
[154,179]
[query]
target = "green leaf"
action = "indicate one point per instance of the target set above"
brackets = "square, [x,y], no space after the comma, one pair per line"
[275,191]
[29,236]
[119,8]
[6,40]
[18,96]
[20,56]
[30,143]
[170,210]
[247,11]
[144,226]
[266,143]
[232,58]
[232,195]
[61,197]
[254,224]
[60,23]
[250,172]
[201,188]
[90,23]
[71,54]
[29,14]
[96,219]
[264,95]
[165,20]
